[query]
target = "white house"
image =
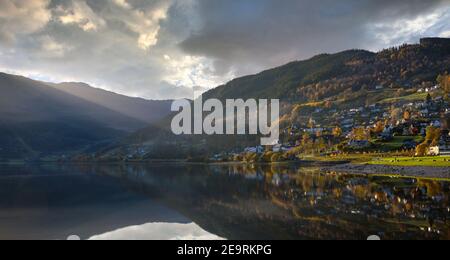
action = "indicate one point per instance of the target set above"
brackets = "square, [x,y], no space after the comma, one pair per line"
[257,149]
[433,151]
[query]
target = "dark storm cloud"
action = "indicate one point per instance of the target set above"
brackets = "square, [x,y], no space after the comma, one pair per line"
[264,33]
[170,48]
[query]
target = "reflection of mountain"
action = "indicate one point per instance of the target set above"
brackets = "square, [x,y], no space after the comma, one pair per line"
[236,203]
[56,202]
[232,202]
[37,119]
[158,231]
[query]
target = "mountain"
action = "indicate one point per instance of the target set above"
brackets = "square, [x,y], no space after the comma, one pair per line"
[148,111]
[39,119]
[326,75]
[326,83]
[279,82]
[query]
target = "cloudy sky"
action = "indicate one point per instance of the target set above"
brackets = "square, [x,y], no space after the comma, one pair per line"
[161,49]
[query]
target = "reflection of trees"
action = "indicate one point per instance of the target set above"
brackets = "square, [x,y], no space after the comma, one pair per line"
[421,202]
[432,188]
[282,201]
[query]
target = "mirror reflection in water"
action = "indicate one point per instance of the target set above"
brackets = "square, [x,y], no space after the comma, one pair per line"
[162,201]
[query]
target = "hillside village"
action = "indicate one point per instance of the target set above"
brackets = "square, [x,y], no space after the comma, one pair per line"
[400,126]
[388,103]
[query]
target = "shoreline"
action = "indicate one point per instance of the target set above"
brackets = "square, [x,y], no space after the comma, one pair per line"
[340,167]
[402,171]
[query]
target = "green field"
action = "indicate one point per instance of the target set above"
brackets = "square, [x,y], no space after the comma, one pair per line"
[397,142]
[437,161]
[413,97]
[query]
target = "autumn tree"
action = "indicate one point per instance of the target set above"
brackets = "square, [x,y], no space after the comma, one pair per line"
[359,134]
[337,132]
[431,139]
[379,127]
[407,115]
[306,138]
[250,157]
[421,149]
[444,82]
[396,114]
[433,135]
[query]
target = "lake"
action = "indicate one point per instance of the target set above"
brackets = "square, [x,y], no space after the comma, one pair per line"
[163,201]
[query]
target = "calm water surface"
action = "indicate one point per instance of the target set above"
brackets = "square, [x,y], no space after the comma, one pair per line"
[216,202]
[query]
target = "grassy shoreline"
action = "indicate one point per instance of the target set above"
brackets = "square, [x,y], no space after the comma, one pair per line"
[437,161]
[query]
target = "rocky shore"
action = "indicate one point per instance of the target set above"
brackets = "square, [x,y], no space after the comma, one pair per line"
[411,171]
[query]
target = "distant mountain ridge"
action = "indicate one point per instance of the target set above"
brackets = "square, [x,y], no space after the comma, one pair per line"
[39,119]
[148,111]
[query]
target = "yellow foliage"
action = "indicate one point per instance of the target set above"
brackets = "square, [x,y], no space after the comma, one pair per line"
[276,157]
[337,132]
[444,82]
[431,139]
[421,149]
[360,134]
[251,157]
[267,156]
[379,127]
[433,135]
